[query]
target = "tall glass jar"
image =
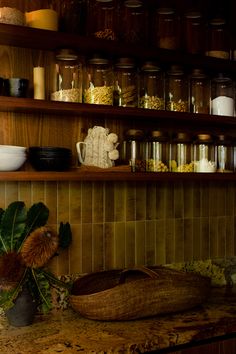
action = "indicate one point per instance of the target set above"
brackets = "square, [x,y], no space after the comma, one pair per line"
[151,88]
[225,154]
[72,16]
[98,81]
[193,32]
[200,95]
[67,77]
[102,19]
[176,90]
[165,31]
[157,152]
[181,156]
[126,83]
[204,154]
[222,96]
[133,22]
[218,39]
[134,150]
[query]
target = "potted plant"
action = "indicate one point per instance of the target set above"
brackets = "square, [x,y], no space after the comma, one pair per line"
[27,243]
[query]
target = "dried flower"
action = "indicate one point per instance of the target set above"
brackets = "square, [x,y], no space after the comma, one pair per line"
[11,270]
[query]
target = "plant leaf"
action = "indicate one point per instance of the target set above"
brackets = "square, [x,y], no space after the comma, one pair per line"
[65,235]
[12,226]
[41,289]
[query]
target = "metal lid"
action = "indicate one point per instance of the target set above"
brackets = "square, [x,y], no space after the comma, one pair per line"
[182,137]
[150,66]
[193,14]
[66,54]
[175,70]
[198,74]
[134,133]
[97,60]
[125,63]
[207,138]
[166,11]
[133,3]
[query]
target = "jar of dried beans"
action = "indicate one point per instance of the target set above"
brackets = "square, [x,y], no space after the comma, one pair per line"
[176,90]
[67,77]
[181,156]
[157,152]
[151,94]
[98,81]
[204,154]
[126,83]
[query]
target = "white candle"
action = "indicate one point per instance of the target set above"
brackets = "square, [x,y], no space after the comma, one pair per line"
[39,83]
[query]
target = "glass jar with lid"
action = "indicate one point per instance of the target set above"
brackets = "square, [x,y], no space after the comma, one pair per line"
[126,83]
[102,19]
[12,12]
[166,28]
[217,44]
[225,153]
[222,95]
[72,16]
[134,150]
[181,154]
[204,153]
[157,152]
[193,32]
[151,88]
[200,95]
[98,81]
[176,90]
[133,22]
[67,77]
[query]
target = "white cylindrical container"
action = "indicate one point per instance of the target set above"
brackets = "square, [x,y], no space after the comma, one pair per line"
[39,83]
[222,96]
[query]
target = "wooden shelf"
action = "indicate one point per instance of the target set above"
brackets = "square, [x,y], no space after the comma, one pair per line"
[77,175]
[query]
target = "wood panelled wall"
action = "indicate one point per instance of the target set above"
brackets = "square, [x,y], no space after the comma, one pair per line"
[124,224]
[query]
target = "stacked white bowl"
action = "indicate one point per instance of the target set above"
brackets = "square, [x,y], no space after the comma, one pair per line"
[12,157]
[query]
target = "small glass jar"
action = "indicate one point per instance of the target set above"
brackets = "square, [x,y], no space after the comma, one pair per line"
[204,154]
[98,82]
[217,39]
[151,94]
[67,77]
[193,32]
[72,16]
[181,155]
[166,29]
[133,22]
[134,150]
[222,96]
[225,154]
[157,152]
[176,90]
[126,83]
[200,95]
[101,19]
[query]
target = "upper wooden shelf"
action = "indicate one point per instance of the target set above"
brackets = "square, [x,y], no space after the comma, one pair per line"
[26,37]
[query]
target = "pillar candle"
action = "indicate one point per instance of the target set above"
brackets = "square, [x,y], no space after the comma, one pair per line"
[39,83]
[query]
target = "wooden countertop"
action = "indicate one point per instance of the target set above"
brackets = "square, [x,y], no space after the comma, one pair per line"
[68,332]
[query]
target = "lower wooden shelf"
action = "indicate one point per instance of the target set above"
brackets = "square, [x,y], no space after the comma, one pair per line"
[107,175]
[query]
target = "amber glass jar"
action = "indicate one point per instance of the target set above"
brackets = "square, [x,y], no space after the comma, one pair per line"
[193,32]
[176,89]
[217,39]
[72,16]
[102,18]
[166,29]
[133,22]
[200,95]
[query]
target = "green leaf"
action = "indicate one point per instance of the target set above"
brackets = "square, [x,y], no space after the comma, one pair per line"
[12,226]
[37,216]
[41,289]
[65,235]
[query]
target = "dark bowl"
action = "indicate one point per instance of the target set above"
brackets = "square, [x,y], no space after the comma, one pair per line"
[50,163]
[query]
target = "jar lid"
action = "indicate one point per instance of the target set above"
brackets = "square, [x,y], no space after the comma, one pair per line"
[135,133]
[193,14]
[218,21]
[133,3]
[165,11]
[204,138]
[223,139]
[198,74]
[150,66]
[66,54]
[96,60]
[182,137]
[176,70]
[125,63]
[158,135]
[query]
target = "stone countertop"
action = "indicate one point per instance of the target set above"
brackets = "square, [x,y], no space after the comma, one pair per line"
[67,332]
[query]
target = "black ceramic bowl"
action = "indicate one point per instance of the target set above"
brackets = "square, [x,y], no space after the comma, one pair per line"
[49,158]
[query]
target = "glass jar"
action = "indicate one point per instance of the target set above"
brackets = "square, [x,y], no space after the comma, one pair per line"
[157,152]
[225,154]
[204,154]
[217,39]
[181,155]
[72,16]
[151,90]
[166,29]
[199,92]
[133,22]
[134,150]
[222,96]
[67,77]
[176,90]
[12,12]
[98,82]
[101,19]
[126,83]
[193,32]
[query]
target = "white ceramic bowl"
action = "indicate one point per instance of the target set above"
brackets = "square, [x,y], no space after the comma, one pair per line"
[13,149]
[11,162]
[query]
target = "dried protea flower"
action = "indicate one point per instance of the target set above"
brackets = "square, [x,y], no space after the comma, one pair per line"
[39,247]
[11,270]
